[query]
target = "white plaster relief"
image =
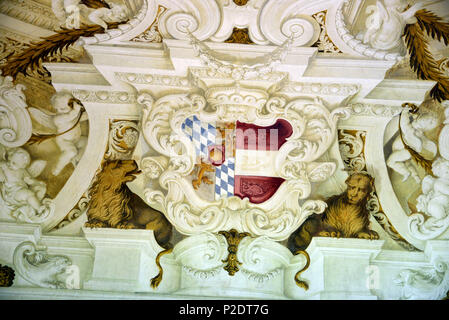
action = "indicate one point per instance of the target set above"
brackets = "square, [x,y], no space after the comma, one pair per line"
[430,284]
[314,130]
[41,269]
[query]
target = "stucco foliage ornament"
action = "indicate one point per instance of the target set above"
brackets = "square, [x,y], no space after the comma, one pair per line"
[15,122]
[430,284]
[314,129]
[34,264]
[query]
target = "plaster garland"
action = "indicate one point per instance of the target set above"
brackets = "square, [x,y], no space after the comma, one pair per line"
[238,71]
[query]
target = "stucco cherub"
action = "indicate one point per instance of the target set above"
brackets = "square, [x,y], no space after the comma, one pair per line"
[74,12]
[66,122]
[386,23]
[413,127]
[434,200]
[21,192]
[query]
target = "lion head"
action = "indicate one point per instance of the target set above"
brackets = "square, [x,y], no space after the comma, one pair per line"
[109,195]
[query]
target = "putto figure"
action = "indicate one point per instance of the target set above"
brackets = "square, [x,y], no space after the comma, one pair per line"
[66,123]
[434,201]
[21,192]
[412,133]
[346,215]
[386,24]
[75,12]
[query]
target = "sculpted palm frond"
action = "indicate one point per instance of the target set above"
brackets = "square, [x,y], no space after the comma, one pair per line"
[32,57]
[421,59]
[95,4]
[433,25]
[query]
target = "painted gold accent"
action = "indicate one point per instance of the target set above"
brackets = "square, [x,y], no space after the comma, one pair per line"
[302,283]
[152,34]
[233,237]
[239,36]
[324,43]
[6,276]
[240,2]
[203,168]
[421,60]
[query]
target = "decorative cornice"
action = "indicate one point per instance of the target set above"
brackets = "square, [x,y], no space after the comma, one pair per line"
[377,110]
[334,89]
[30,12]
[210,73]
[104,96]
[153,79]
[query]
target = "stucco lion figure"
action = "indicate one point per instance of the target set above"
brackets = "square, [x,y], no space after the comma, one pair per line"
[346,215]
[113,205]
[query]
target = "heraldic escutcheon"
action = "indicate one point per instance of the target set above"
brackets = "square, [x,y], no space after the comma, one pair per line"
[236,158]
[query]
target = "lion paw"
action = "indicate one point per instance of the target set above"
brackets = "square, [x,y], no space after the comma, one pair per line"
[332,234]
[126,225]
[95,224]
[370,235]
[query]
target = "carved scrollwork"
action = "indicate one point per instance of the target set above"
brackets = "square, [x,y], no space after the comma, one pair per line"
[314,129]
[35,265]
[80,208]
[201,17]
[123,136]
[254,253]
[201,255]
[15,122]
[431,284]
[281,21]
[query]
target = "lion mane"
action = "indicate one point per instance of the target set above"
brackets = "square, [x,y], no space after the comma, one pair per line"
[113,205]
[340,219]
